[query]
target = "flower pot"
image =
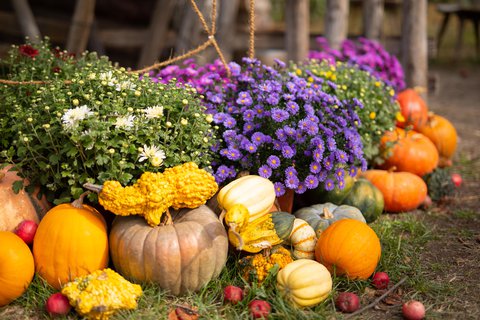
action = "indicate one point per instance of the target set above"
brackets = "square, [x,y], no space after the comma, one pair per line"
[285,202]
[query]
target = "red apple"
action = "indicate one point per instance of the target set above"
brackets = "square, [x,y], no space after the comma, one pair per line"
[457,179]
[413,310]
[380,280]
[259,308]
[57,305]
[232,294]
[26,230]
[347,302]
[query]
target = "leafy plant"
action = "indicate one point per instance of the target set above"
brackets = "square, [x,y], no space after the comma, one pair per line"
[105,123]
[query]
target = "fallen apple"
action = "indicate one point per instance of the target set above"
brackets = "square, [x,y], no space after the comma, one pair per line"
[380,280]
[347,302]
[259,308]
[57,305]
[26,231]
[413,310]
[232,294]
[457,179]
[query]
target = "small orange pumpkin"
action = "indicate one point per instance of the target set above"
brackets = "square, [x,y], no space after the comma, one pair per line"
[71,241]
[413,109]
[349,247]
[443,135]
[402,191]
[17,207]
[411,152]
[16,267]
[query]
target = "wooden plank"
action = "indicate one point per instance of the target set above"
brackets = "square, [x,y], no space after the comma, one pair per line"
[414,53]
[226,27]
[81,25]
[190,31]
[297,29]
[27,21]
[372,18]
[157,32]
[336,22]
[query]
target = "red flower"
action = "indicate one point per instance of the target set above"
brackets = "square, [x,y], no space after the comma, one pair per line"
[28,51]
[56,69]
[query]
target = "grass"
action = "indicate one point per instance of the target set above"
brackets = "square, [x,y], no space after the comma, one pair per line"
[402,238]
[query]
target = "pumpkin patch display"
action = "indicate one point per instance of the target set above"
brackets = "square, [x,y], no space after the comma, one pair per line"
[402,191]
[16,267]
[411,152]
[71,241]
[443,135]
[180,257]
[17,207]
[349,247]
[257,194]
[320,216]
[304,282]
[413,108]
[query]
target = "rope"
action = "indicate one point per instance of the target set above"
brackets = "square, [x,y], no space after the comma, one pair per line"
[214,17]
[251,50]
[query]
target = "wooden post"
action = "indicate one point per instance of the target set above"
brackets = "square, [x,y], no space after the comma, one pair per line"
[227,22]
[190,29]
[336,22]
[372,18]
[27,21]
[80,27]
[414,42]
[157,32]
[297,29]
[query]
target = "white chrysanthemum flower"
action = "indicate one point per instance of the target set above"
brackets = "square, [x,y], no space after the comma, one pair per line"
[72,116]
[124,122]
[154,112]
[125,85]
[153,153]
[108,77]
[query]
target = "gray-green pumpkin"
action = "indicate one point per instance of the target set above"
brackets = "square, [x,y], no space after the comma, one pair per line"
[367,198]
[320,216]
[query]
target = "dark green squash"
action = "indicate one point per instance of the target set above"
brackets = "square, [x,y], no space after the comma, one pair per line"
[367,198]
[320,195]
[320,216]
[283,222]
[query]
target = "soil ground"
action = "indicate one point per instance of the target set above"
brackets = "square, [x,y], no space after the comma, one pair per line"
[450,260]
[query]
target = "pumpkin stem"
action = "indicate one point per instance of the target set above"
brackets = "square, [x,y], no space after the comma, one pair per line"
[169,218]
[2,175]
[392,169]
[419,89]
[78,203]
[222,215]
[327,214]
[93,187]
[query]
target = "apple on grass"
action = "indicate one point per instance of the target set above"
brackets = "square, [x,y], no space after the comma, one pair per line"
[232,294]
[347,302]
[259,308]
[413,310]
[57,305]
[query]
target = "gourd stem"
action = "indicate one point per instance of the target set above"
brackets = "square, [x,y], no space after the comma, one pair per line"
[169,218]
[327,214]
[78,203]
[240,240]
[222,215]
[392,169]
[2,175]
[93,187]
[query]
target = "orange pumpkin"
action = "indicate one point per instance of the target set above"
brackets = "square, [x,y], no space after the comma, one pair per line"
[443,135]
[349,247]
[402,191]
[411,152]
[413,108]
[71,241]
[16,267]
[17,207]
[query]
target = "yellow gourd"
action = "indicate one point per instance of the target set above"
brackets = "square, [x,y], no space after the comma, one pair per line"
[304,282]
[257,194]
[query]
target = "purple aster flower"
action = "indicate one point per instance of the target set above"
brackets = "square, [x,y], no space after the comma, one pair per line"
[250,147]
[353,171]
[248,115]
[290,172]
[222,172]
[292,107]
[229,122]
[302,187]
[328,163]
[219,117]
[329,184]
[258,138]
[317,143]
[277,145]
[244,98]
[273,99]
[341,156]
[317,154]
[311,182]
[279,189]
[315,167]
[291,87]
[232,173]
[339,174]
[341,184]
[265,171]
[248,127]
[280,134]
[280,63]
[259,111]
[322,176]
[288,152]
[279,115]
[291,182]
[273,161]
[289,131]
[233,154]
[331,144]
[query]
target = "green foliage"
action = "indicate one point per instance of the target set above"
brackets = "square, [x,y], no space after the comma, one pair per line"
[350,83]
[104,124]
[439,183]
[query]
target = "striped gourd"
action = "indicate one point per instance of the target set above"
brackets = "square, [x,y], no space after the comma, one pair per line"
[303,240]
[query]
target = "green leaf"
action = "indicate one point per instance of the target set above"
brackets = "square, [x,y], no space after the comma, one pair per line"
[17,186]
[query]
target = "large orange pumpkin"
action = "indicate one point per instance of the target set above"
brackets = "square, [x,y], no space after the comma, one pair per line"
[180,257]
[411,152]
[71,241]
[16,267]
[413,108]
[17,207]
[443,135]
[349,247]
[402,191]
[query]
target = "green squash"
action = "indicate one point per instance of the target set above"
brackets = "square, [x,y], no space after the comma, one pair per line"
[367,198]
[320,216]
[283,223]
[320,195]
